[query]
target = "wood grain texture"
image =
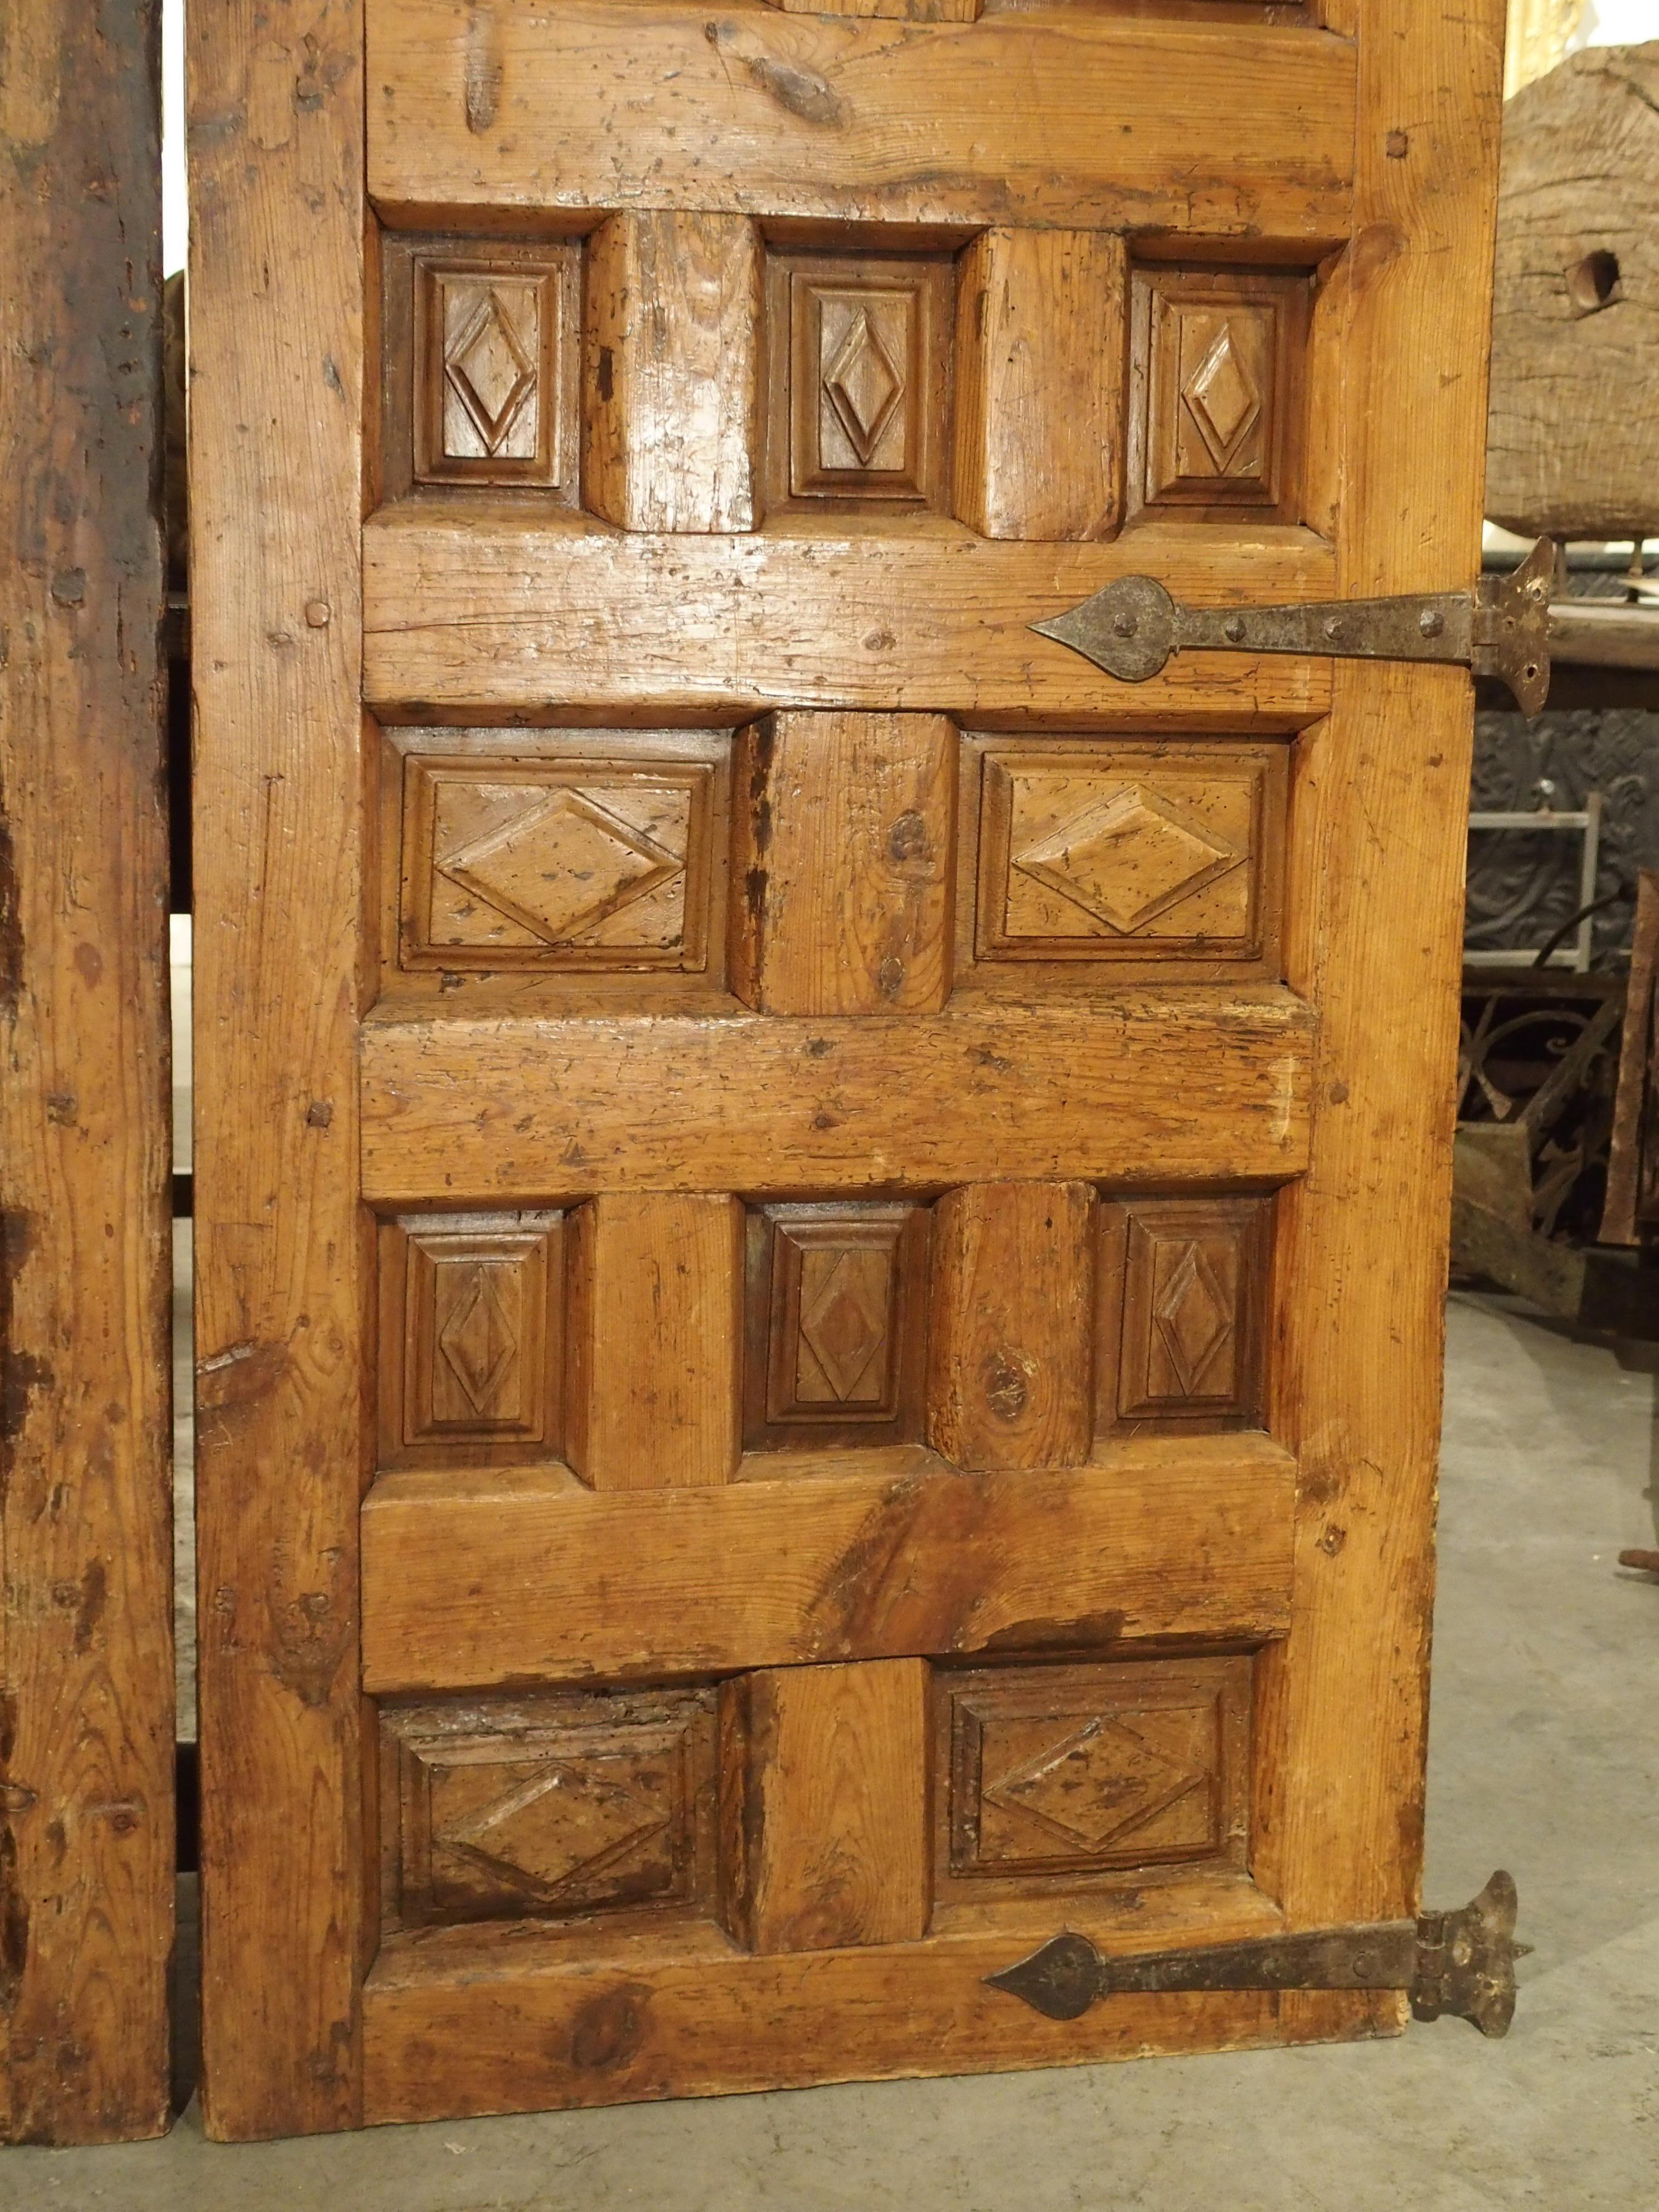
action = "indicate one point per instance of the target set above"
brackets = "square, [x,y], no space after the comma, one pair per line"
[1204,1085]
[480,1579]
[282,1250]
[1575,302]
[86,1656]
[824,1812]
[1219,129]
[670,342]
[1041,367]
[1010,1334]
[517,2033]
[467,606]
[655,1336]
[1376,847]
[843,838]
[902,11]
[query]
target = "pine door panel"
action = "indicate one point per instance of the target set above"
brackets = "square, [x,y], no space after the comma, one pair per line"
[819,1252]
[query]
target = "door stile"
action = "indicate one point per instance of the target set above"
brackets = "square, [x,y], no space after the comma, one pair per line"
[1377,846]
[277,291]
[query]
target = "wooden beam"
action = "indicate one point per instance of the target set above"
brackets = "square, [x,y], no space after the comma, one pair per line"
[476,604]
[1204,1085]
[1374,937]
[282,1254]
[86,1641]
[474,1579]
[1223,130]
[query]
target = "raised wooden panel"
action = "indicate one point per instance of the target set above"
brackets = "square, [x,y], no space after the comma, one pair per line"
[477,376]
[552,1807]
[1010,1349]
[1181,1306]
[654,1339]
[472,1310]
[671,340]
[823,1805]
[1086,852]
[836,1327]
[843,861]
[557,851]
[1205,1085]
[1185,1535]
[1224,128]
[1041,367]
[859,351]
[1216,390]
[1055,1774]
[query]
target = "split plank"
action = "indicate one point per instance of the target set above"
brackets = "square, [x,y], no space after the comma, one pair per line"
[1203,1085]
[281,1251]
[471,1580]
[86,1646]
[473,604]
[1223,129]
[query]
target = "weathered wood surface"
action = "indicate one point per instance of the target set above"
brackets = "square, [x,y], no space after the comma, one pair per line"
[472,1579]
[85,1663]
[1572,437]
[1219,129]
[462,607]
[282,1244]
[1632,1199]
[475,1110]
[1374,937]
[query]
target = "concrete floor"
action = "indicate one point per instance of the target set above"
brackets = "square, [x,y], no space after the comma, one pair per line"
[1546,1743]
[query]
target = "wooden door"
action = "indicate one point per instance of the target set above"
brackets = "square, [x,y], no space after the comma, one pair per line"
[821,1231]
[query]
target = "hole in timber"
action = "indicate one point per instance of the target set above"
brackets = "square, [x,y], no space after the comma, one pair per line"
[1592,282]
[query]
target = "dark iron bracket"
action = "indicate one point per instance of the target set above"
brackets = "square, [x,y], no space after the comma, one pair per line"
[1460,1965]
[1501,627]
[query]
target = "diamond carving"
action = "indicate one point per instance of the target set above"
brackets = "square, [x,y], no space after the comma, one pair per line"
[490,372]
[1192,1316]
[1096,1784]
[844,1322]
[1222,398]
[561,865]
[1127,858]
[567,1827]
[864,386]
[478,1340]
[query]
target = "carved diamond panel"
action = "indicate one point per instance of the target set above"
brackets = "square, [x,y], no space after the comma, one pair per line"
[859,353]
[1216,420]
[561,862]
[1079,1769]
[1182,1289]
[490,393]
[554,1808]
[1093,851]
[471,1315]
[836,1327]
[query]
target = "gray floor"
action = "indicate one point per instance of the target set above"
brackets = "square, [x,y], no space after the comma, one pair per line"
[1546,1742]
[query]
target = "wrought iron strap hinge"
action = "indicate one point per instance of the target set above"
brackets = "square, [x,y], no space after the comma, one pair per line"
[1460,1965]
[1501,627]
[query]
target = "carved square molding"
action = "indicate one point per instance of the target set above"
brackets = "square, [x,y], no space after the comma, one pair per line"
[1182,1312]
[859,378]
[471,1311]
[1072,1771]
[548,1808]
[598,858]
[1217,383]
[1095,852]
[836,1324]
[479,372]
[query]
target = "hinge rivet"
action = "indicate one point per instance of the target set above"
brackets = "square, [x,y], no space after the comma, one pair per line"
[1123,625]
[1332,628]
[1233,629]
[1430,621]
